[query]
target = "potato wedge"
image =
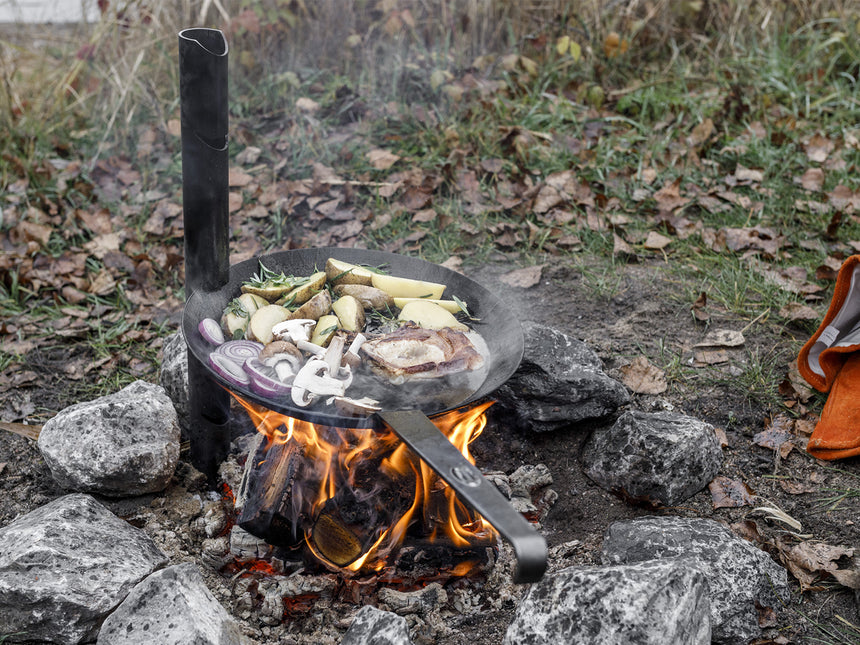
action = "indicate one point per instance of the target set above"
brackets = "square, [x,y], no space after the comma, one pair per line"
[300,295]
[339,272]
[325,328]
[447,305]
[430,316]
[349,312]
[233,319]
[407,287]
[369,297]
[262,321]
[318,306]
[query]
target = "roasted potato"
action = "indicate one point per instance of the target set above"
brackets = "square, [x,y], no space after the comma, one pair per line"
[447,305]
[233,321]
[349,312]
[407,287]
[318,306]
[325,328]
[262,321]
[430,316]
[339,272]
[300,295]
[369,297]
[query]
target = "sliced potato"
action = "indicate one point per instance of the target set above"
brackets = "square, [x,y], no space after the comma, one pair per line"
[430,316]
[262,321]
[349,312]
[300,295]
[319,305]
[268,293]
[325,328]
[369,297]
[447,305]
[407,287]
[236,324]
[339,272]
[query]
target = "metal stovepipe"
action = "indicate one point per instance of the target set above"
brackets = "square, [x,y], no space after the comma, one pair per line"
[205,166]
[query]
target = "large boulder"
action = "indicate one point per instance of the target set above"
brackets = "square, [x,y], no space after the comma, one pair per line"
[65,566]
[123,444]
[741,577]
[660,458]
[560,381]
[171,606]
[649,603]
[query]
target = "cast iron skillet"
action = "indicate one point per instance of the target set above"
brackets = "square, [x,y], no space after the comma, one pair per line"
[498,327]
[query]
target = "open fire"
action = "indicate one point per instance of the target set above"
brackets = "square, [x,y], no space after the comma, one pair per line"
[349,497]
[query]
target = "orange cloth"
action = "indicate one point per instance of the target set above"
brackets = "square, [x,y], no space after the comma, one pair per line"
[830,362]
[837,434]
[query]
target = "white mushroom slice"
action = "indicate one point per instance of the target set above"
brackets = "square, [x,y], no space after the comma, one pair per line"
[334,353]
[285,371]
[310,348]
[351,357]
[356,407]
[298,329]
[314,381]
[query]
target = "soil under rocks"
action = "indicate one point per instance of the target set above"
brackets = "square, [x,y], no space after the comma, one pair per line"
[643,315]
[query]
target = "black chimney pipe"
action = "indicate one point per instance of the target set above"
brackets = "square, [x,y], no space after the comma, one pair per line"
[205,167]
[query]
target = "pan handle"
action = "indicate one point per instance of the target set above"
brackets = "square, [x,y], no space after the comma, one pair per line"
[428,442]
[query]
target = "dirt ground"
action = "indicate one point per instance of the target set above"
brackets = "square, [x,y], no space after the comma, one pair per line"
[639,317]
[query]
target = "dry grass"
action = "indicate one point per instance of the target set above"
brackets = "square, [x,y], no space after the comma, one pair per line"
[121,70]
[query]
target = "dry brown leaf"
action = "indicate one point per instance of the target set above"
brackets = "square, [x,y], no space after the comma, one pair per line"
[32,231]
[798,311]
[843,198]
[699,308]
[656,242]
[812,179]
[239,178]
[777,432]
[669,197]
[424,216]
[101,245]
[730,493]
[810,561]
[818,148]
[722,338]
[748,175]
[307,105]
[701,133]
[523,278]
[622,249]
[710,357]
[644,378]
[382,159]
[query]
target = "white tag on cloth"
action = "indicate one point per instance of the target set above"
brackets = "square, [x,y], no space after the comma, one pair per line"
[828,335]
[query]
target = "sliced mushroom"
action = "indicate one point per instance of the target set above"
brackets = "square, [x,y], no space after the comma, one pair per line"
[351,356]
[315,380]
[294,330]
[356,407]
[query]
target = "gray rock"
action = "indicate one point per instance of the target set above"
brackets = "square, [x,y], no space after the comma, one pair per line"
[173,376]
[65,566]
[740,576]
[123,444]
[372,626]
[650,603]
[560,381]
[171,607]
[658,458]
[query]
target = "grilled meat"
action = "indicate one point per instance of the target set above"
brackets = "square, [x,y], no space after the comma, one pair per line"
[414,352]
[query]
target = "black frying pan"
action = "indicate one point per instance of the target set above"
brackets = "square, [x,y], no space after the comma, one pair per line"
[497,326]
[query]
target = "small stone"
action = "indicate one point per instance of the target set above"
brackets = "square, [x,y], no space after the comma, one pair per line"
[659,458]
[65,566]
[560,381]
[649,603]
[171,606]
[372,626]
[123,444]
[742,579]
[173,376]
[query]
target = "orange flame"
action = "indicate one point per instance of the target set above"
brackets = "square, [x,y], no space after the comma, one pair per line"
[339,459]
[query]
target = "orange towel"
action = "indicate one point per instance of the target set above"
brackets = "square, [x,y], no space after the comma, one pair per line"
[837,434]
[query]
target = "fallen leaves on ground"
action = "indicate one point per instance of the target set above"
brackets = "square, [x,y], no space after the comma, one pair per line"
[523,278]
[642,377]
[730,493]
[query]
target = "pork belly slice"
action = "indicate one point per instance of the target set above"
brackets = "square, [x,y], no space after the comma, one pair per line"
[415,352]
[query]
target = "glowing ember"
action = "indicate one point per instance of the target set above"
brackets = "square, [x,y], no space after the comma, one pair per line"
[355,494]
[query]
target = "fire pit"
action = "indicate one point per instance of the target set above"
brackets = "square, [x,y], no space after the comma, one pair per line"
[337,525]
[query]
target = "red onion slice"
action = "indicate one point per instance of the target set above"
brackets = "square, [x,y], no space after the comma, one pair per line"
[265,377]
[228,369]
[240,350]
[211,331]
